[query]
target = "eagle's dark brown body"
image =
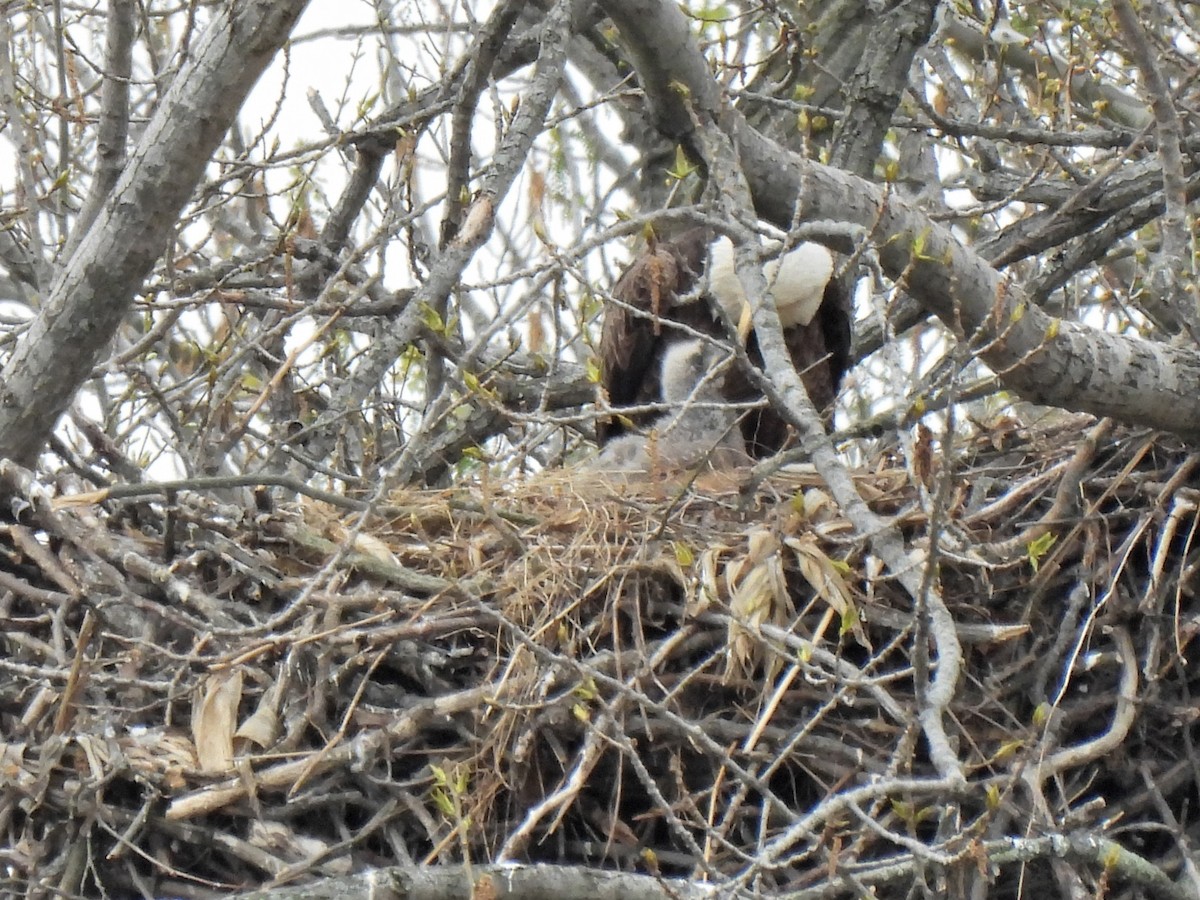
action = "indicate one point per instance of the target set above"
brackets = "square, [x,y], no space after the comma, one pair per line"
[632,346]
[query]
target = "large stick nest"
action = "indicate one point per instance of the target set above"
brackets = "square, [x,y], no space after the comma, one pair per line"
[681,678]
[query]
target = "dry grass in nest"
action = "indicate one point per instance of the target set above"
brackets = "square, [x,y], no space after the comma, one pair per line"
[675,676]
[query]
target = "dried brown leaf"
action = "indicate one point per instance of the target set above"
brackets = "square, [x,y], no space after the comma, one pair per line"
[214,721]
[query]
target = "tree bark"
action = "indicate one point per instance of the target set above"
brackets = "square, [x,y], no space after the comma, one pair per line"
[512,882]
[1045,360]
[93,292]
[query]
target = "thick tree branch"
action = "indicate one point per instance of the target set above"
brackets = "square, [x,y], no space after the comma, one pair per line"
[879,82]
[92,294]
[508,882]
[1046,360]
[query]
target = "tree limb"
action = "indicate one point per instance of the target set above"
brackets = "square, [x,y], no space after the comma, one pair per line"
[93,292]
[1046,360]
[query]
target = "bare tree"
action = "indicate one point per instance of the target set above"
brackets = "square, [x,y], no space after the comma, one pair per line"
[940,174]
[399,282]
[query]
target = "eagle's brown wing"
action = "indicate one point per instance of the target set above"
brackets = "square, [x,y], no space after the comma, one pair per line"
[631,344]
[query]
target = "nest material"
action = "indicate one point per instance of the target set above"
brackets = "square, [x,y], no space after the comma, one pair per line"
[674,677]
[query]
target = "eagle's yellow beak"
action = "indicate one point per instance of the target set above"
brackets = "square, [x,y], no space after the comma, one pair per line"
[745,324]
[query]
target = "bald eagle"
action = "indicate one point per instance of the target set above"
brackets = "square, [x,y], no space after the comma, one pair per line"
[659,292]
[699,427]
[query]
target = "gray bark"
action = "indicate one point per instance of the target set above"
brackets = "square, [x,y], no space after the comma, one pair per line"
[93,292]
[1045,360]
[513,882]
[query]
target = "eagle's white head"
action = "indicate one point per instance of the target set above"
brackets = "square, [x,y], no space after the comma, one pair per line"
[795,280]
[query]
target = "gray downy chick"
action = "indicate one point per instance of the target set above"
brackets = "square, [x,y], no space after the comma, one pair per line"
[698,427]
